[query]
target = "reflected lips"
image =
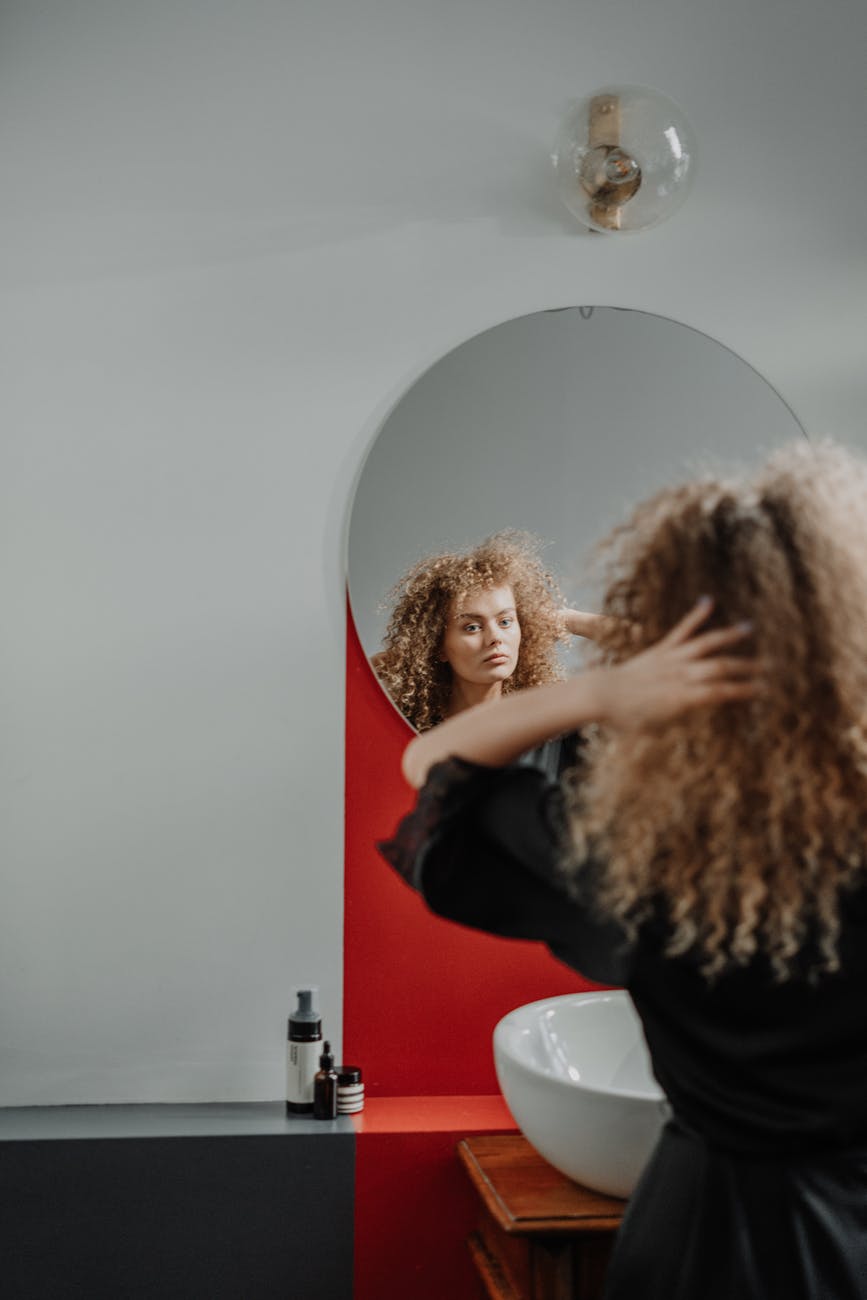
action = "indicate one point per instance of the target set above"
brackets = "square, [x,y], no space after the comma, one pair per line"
[498,658]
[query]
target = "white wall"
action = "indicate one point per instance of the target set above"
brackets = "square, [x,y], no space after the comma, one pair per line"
[229,234]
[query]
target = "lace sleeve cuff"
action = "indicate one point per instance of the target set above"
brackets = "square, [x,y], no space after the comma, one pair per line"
[451,790]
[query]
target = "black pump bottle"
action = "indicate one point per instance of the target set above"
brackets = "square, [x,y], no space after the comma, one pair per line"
[304,1035]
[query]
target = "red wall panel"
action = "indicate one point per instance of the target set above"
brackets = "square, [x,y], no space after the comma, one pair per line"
[421,995]
[414,1204]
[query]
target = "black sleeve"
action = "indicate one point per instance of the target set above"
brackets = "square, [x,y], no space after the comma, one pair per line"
[484,847]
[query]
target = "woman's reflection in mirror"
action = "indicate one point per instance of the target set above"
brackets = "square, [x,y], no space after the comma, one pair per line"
[473,625]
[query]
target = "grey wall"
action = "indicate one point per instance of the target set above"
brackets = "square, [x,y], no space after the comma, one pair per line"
[230,236]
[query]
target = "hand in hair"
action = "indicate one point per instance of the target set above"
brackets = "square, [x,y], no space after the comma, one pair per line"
[682,671]
[592,627]
[687,669]
[578,622]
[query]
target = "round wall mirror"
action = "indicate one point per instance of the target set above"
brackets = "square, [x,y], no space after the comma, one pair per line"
[554,423]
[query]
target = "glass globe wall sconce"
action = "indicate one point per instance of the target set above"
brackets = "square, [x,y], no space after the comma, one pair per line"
[624,158]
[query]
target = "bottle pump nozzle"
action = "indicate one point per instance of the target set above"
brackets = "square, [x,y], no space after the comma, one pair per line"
[305,1009]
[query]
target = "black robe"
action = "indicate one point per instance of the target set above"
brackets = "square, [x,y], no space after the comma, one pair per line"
[757,1189]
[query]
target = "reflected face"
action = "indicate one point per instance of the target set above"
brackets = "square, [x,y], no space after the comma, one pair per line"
[482,636]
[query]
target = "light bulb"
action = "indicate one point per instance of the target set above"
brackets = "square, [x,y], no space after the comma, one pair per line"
[625,158]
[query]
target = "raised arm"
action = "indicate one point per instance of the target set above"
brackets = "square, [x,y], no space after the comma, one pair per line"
[687,669]
[579,623]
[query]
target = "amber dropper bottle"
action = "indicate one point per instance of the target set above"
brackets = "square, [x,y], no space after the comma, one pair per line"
[325,1087]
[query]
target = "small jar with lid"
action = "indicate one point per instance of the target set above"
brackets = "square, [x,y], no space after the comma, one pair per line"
[350,1090]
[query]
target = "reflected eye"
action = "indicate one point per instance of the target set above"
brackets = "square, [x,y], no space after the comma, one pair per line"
[472,627]
[506,622]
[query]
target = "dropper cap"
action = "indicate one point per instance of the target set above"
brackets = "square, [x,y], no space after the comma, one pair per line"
[326,1060]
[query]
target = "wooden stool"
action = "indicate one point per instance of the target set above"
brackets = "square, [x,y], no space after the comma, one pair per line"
[540,1235]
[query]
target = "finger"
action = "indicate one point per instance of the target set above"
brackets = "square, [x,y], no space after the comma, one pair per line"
[709,642]
[683,630]
[725,666]
[731,692]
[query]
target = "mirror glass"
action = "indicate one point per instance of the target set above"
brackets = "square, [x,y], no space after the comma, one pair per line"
[555,423]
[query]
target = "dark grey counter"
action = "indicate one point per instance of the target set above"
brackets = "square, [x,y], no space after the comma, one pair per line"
[175,1202]
[187,1120]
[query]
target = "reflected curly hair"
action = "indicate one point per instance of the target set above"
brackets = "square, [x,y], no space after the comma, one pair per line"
[409,666]
[746,821]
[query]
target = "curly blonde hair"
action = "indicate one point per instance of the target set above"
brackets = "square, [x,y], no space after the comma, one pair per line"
[747,821]
[409,665]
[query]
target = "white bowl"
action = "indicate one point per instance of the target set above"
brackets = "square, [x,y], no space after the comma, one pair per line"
[576,1076]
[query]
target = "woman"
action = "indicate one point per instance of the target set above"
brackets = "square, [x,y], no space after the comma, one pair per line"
[709,855]
[472,626]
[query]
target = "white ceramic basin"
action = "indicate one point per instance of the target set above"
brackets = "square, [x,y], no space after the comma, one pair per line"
[575,1074]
